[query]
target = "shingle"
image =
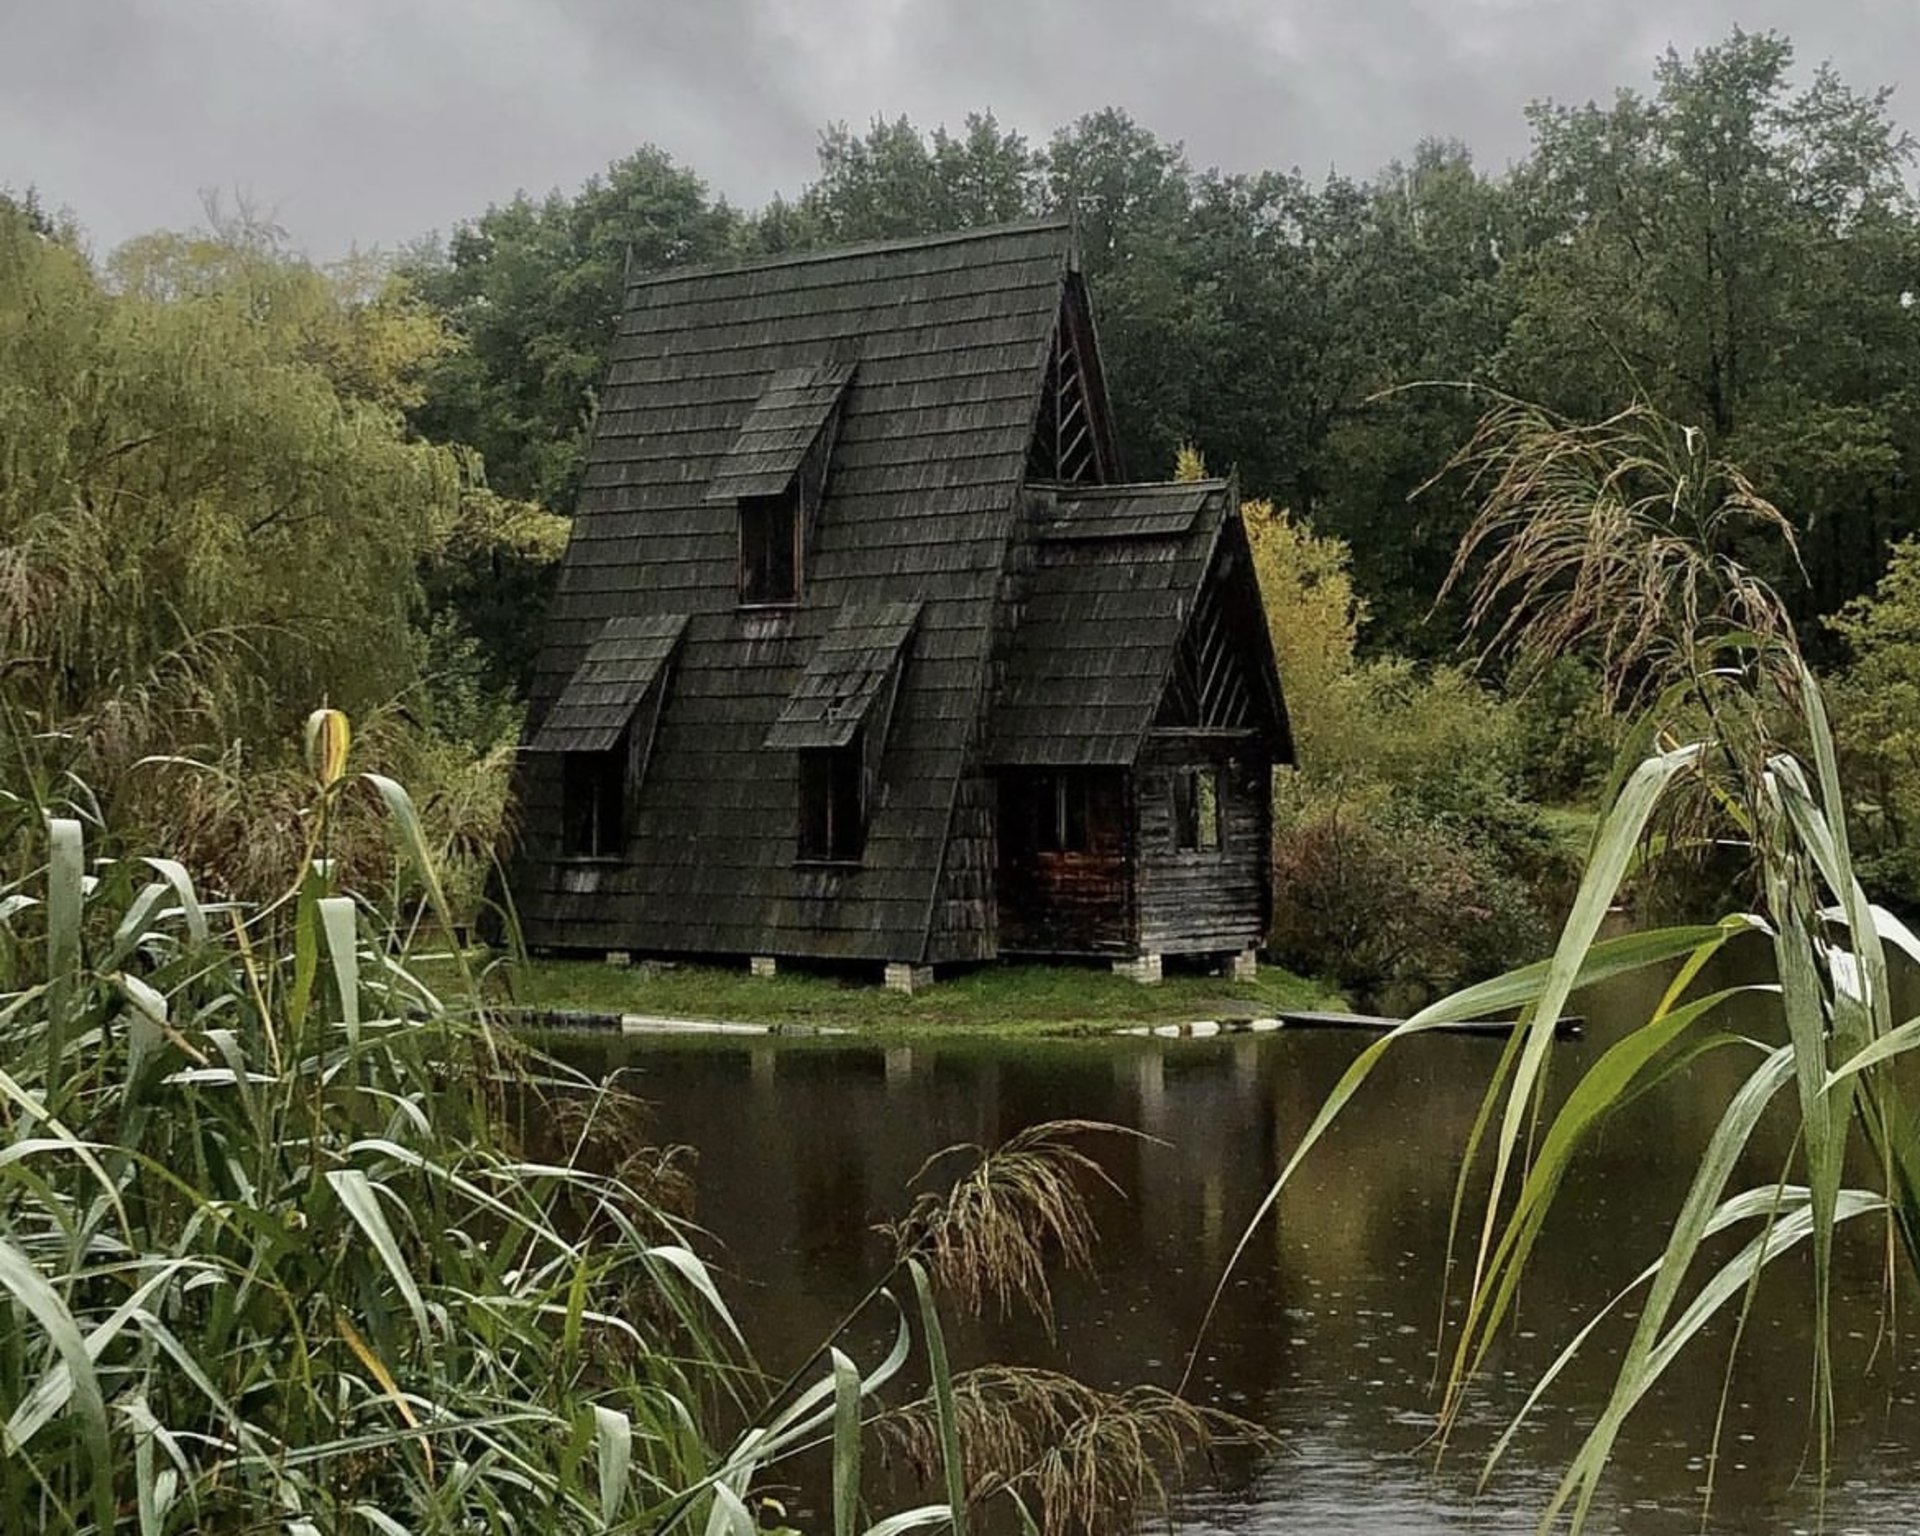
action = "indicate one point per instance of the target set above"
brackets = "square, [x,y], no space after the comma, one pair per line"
[620,666]
[783,425]
[844,676]
[1100,620]
[1126,512]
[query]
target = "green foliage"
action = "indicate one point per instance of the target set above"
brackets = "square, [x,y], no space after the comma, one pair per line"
[289,1237]
[1738,252]
[211,512]
[533,288]
[274,1254]
[194,517]
[1877,720]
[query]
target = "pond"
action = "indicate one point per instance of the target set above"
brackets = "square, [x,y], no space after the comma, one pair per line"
[1327,1332]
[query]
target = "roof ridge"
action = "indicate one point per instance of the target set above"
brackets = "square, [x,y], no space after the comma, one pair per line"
[826,253]
[1137,487]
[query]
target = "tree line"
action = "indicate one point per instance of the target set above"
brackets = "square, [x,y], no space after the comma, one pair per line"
[1738,247]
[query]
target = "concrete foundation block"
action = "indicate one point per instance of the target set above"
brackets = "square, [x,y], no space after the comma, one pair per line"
[902,977]
[764,965]
[1245,966]
[1144,969]
[619,957]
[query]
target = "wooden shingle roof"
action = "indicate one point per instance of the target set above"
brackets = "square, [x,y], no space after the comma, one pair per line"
[844,676]
[623,662]
[949,340]
[1115,576]
[783,424]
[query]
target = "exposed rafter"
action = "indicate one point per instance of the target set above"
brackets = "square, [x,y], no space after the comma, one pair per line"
[1070,440]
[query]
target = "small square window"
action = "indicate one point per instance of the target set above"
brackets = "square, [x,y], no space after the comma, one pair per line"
[1196,809]
[593,803]
[832,804]
[770,548]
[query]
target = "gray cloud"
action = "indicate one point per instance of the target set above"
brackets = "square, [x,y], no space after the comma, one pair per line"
[372,121]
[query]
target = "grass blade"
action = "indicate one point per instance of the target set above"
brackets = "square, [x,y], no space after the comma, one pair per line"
[942,1373]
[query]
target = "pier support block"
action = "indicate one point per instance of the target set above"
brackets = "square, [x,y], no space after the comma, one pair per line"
[764,965]
[1144,969]
[619,957]
[909,979]
[1245,966]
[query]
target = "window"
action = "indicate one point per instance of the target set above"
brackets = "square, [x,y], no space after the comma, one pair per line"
[832,819]
[770,548]
[593,802]
[1060,812]
[1196,809]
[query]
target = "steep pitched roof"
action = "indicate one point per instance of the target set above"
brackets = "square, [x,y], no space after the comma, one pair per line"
[624,661]
[1116,575]
[949,339]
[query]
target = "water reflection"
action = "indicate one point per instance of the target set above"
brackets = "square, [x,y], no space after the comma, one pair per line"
[1327,1330]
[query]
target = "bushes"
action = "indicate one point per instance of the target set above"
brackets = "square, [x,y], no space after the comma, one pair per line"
[1417,885]
[1405,850]
[1876,706]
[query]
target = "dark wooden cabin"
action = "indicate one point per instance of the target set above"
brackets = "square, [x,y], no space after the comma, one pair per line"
[860,653]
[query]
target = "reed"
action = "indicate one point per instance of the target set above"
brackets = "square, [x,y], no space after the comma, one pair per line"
[1630,540]
[291,1240]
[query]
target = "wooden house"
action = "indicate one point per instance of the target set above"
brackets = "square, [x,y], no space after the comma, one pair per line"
[860,653]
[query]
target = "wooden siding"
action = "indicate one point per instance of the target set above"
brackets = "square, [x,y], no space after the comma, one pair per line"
[966,920]
[1067,903]
[1203,901]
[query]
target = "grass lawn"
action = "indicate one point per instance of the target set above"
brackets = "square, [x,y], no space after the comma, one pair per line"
[1001,999]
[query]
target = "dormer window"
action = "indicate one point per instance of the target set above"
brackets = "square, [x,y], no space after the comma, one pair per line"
[835,722]
[601,729]
[770,549]
[776,475]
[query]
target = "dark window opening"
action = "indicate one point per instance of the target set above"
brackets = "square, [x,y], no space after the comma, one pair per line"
[1196,809]
[593,802]
[1060,813]
[832,812]
[770,548]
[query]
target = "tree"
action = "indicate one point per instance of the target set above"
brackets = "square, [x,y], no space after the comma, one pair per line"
[1739,253]
[213,516]
[534,291]
[894,182]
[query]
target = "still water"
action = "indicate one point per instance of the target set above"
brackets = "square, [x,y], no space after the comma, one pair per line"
[1327,1332]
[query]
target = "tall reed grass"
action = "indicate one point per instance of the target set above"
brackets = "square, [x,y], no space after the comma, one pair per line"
[1628,540]
[276,1256]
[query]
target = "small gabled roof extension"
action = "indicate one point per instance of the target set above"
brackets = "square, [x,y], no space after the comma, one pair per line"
[783,424]
[623,662]
[1120,573]
[844,676]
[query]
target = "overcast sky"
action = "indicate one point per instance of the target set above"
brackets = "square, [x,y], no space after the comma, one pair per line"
[373,121]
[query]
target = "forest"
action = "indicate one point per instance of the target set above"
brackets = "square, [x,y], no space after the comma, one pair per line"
[238,482]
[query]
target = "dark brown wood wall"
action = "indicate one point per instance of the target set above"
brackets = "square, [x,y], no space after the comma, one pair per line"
[1061,903]
[965,926]
[1204,901]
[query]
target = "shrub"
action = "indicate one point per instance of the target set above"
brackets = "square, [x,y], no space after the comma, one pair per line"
[1389,896]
